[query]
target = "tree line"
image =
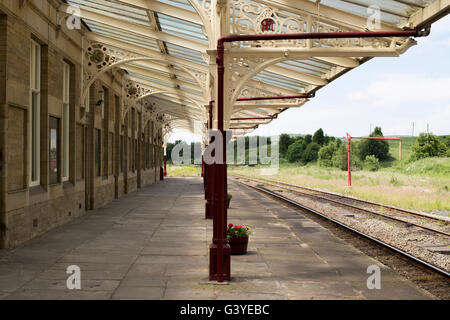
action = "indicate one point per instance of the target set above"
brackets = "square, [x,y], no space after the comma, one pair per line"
[329,151]
[368,154]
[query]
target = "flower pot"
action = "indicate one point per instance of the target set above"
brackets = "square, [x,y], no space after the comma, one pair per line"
[238,245]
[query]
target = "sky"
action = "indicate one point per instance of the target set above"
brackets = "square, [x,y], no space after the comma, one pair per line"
[391,92]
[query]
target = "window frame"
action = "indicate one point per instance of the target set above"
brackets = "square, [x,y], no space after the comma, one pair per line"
[98,152]
[55,124]
[103,97]
[65,124]
[121,155]
[35,126]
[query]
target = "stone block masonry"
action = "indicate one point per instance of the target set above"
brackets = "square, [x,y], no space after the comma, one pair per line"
[94,177]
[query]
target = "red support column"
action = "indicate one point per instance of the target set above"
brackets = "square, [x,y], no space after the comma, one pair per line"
[205,177]
[165,166]
[220,252]
[209,176]
[203,168]
[210,191]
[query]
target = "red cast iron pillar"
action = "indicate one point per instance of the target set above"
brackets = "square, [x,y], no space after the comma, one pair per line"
[219,265]
[165,166]
[165,162]
[203,167]
[209,178]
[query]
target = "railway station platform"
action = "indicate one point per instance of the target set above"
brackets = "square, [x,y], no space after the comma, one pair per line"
[153,244]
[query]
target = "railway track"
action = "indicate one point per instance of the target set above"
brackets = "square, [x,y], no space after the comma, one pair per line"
[430,222]
[433,226]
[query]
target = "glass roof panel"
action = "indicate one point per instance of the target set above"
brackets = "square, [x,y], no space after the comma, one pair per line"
[159,72]
[122,35]
[140,76]
[182,88]
[181,28]
[114,9]
[185,79]
[282,81]
[392,12]
[179,3]
[307,66]
[184,53]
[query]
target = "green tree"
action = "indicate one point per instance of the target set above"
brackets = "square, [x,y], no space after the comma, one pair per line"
[311,152]
[340,156]
[377,148]
[339,159]
[169,149]
[308,139]
[428,145]
[446,141]
[328,139]
[326,153]
[284,143]
[319,137]
[371,163]
[295,151]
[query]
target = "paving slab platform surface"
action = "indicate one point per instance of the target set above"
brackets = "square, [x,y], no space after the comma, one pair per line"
[153,244]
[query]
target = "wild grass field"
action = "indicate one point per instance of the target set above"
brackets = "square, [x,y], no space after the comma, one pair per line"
[421,185]
[183,171]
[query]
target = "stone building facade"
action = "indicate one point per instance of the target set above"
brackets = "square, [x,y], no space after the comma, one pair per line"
[59,156]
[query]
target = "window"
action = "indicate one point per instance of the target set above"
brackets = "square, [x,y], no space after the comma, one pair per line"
[135,159]
[129,154]
[98,141]
[87,100]
[65,122]
[54,150]
[34,113]
[116,107]
[103,102]
[121,154]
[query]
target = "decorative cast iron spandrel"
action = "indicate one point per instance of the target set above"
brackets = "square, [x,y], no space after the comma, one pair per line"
[249,17]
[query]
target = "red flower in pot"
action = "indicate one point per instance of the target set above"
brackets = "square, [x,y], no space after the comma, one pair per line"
[238,238]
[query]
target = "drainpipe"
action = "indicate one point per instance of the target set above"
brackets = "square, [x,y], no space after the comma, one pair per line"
[220,220]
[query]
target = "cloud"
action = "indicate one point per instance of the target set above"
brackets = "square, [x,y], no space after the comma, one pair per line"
[396,90]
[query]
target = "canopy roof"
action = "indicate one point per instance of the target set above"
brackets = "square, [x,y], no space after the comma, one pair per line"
[179,37]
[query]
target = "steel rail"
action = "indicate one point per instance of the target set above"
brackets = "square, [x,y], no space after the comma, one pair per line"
[310,210]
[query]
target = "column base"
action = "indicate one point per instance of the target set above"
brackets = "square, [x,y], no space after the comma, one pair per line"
[226,269]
